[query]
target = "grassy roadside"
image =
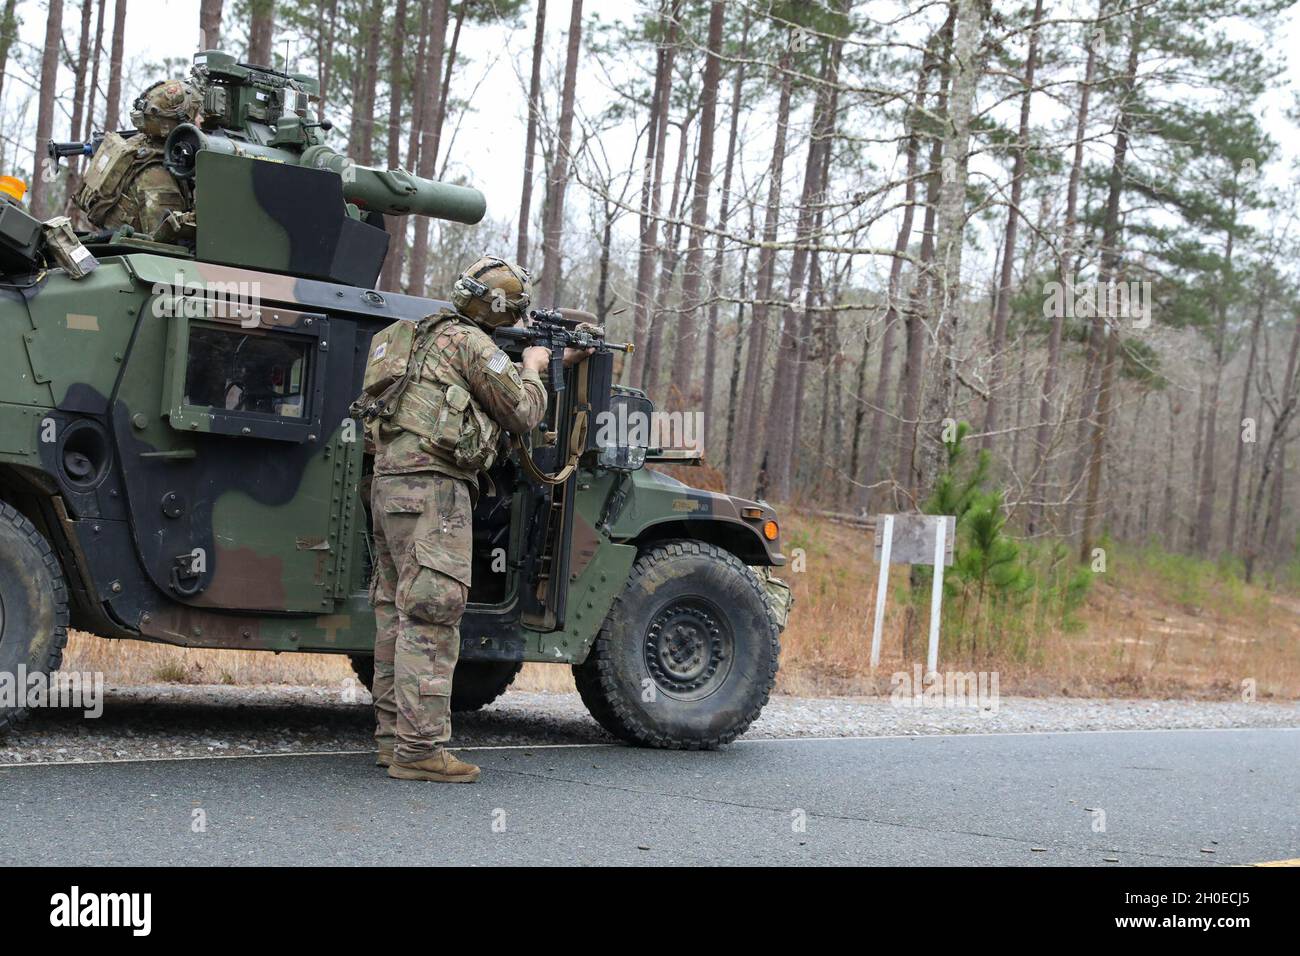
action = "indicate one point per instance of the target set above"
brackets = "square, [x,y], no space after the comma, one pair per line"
[1152,625]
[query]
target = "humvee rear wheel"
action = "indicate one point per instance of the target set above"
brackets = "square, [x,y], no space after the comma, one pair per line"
[474,685]
[33,607]
[688,654]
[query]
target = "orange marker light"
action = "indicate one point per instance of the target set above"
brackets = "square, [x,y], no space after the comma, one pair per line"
[770,530]
[13,187]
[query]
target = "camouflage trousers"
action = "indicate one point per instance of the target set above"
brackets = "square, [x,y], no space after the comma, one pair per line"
[423,544]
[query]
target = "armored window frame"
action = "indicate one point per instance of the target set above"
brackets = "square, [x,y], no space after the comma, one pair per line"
[297,329]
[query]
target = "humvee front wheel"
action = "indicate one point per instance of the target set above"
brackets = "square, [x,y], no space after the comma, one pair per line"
[688,655]
[474,685]
[33,608]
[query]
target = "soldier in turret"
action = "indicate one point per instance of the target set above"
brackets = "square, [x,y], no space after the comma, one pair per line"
[126,183]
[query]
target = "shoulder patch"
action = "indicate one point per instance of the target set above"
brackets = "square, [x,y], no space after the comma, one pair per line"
[497,364]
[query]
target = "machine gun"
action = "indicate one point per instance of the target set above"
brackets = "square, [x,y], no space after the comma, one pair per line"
[551,329]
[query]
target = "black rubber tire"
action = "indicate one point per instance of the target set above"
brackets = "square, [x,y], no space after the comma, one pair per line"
[475,684]
[696,578]
[33,604]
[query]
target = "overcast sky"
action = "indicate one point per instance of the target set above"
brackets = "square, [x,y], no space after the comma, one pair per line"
[488,144]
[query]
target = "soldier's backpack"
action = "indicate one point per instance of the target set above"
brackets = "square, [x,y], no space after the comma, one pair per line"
[116,162]
[406,388]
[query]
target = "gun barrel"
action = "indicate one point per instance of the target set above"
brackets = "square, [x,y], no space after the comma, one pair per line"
[393,192]
[69,149]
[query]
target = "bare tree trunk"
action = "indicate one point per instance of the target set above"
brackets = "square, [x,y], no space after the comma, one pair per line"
[602,284]
[113,98]
[1064,275]
[905,471]
[530,140]
[401,225]
[733,387]
[863,495]
[440,117]
[8,30]
[950,234]
[719,255]
[686,346]
[746,461]
[391,277]
[1273,524]
[210,24]
[97,55]
[45,105]
[1274,458]
[553,212]
[651,189]
[363,112]
[1002,307]
[428,117]
[1110,270]
[1206,491]
[1247,379]
[261,31]
[325,36]
[785,408]
[78,105]
[667,266]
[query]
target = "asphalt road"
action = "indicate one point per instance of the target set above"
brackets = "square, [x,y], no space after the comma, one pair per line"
[1031,799]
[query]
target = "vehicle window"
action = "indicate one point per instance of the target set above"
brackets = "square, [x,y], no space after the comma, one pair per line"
[247,371]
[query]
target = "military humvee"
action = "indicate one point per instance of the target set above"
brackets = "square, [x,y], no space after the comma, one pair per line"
[177,463]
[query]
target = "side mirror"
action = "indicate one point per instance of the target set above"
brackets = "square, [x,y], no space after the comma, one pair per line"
[623,432]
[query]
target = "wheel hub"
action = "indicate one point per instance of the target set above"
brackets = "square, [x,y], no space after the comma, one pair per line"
[688,649]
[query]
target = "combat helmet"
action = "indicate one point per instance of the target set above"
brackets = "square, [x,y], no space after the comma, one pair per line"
[492,292]
[164,106]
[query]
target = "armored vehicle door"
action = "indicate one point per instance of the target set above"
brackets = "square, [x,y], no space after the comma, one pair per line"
[241,465]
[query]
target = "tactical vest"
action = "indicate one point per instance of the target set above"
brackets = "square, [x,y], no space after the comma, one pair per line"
[115,165]
[412,385]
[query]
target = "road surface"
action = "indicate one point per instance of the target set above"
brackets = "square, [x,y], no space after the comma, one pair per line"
[1105,799]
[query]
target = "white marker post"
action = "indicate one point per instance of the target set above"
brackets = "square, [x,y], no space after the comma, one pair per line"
[882,587]
[936,594]
[907,539]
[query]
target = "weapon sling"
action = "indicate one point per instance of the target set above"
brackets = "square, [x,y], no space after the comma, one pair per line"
[577,442]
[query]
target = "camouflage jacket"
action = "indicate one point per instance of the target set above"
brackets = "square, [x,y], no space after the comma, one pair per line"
[127,184]
[512,397]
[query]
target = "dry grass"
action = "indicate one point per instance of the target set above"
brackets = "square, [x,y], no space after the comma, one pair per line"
[138,662]
[1153,626]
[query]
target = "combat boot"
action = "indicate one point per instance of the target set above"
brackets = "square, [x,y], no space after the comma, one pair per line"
[384,757]
[440,766]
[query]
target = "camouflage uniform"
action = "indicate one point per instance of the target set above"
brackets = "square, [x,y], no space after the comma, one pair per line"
[126,183]
[422,507]
[150,197]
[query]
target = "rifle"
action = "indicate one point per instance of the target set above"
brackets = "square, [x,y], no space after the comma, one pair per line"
[88,148]
[549,329]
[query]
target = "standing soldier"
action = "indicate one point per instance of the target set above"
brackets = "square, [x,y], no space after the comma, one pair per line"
[439,427]
[126,183]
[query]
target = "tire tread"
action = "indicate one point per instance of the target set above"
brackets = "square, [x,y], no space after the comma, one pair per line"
[11,516]
[595,677]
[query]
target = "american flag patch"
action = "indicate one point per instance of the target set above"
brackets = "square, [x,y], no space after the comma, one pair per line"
[497,364]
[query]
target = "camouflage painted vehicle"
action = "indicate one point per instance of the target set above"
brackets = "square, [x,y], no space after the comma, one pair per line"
[177,465]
